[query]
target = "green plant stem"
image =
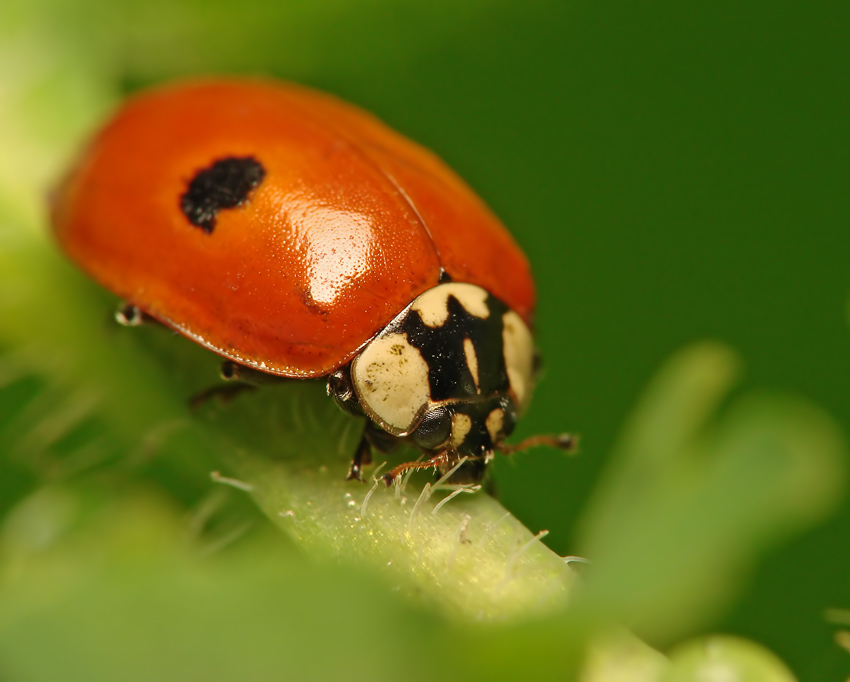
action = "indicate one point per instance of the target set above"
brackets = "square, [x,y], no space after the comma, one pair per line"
[469,556]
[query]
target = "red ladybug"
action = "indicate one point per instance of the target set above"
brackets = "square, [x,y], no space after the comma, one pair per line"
[297,235]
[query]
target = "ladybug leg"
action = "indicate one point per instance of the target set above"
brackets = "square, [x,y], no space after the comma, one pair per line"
[562,441]
[233,371]
[373,438]
[362,457]
[437,461]
[129,315]
[240,379]
[224,393]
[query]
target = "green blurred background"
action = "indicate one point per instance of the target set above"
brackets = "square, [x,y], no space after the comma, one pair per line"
[675,171]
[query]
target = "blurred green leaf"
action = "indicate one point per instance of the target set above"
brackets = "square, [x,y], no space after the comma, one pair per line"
[120,595]
[54,89]
[690,499]
[105,586]
[717,659]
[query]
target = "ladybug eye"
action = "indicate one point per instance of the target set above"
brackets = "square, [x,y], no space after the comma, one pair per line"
[340,389]
[434,429]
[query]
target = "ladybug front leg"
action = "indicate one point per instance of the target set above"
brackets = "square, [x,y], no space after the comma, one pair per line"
[437,461]
[373,437]
[362,457]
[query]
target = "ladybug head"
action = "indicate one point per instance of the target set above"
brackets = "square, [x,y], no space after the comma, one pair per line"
[470,429]
[450,373]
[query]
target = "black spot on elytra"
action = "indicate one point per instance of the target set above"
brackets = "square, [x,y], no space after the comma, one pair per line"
[449,375]
[224,184]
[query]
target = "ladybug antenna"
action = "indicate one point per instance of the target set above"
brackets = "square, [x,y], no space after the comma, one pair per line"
[562,441]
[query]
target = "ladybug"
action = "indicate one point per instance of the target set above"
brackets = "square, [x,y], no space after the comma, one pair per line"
[298,236]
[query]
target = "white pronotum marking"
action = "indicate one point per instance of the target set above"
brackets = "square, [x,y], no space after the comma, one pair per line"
[433,305]
[461,425]
[519,357]
[391,378]
[471,360]
[494,422]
